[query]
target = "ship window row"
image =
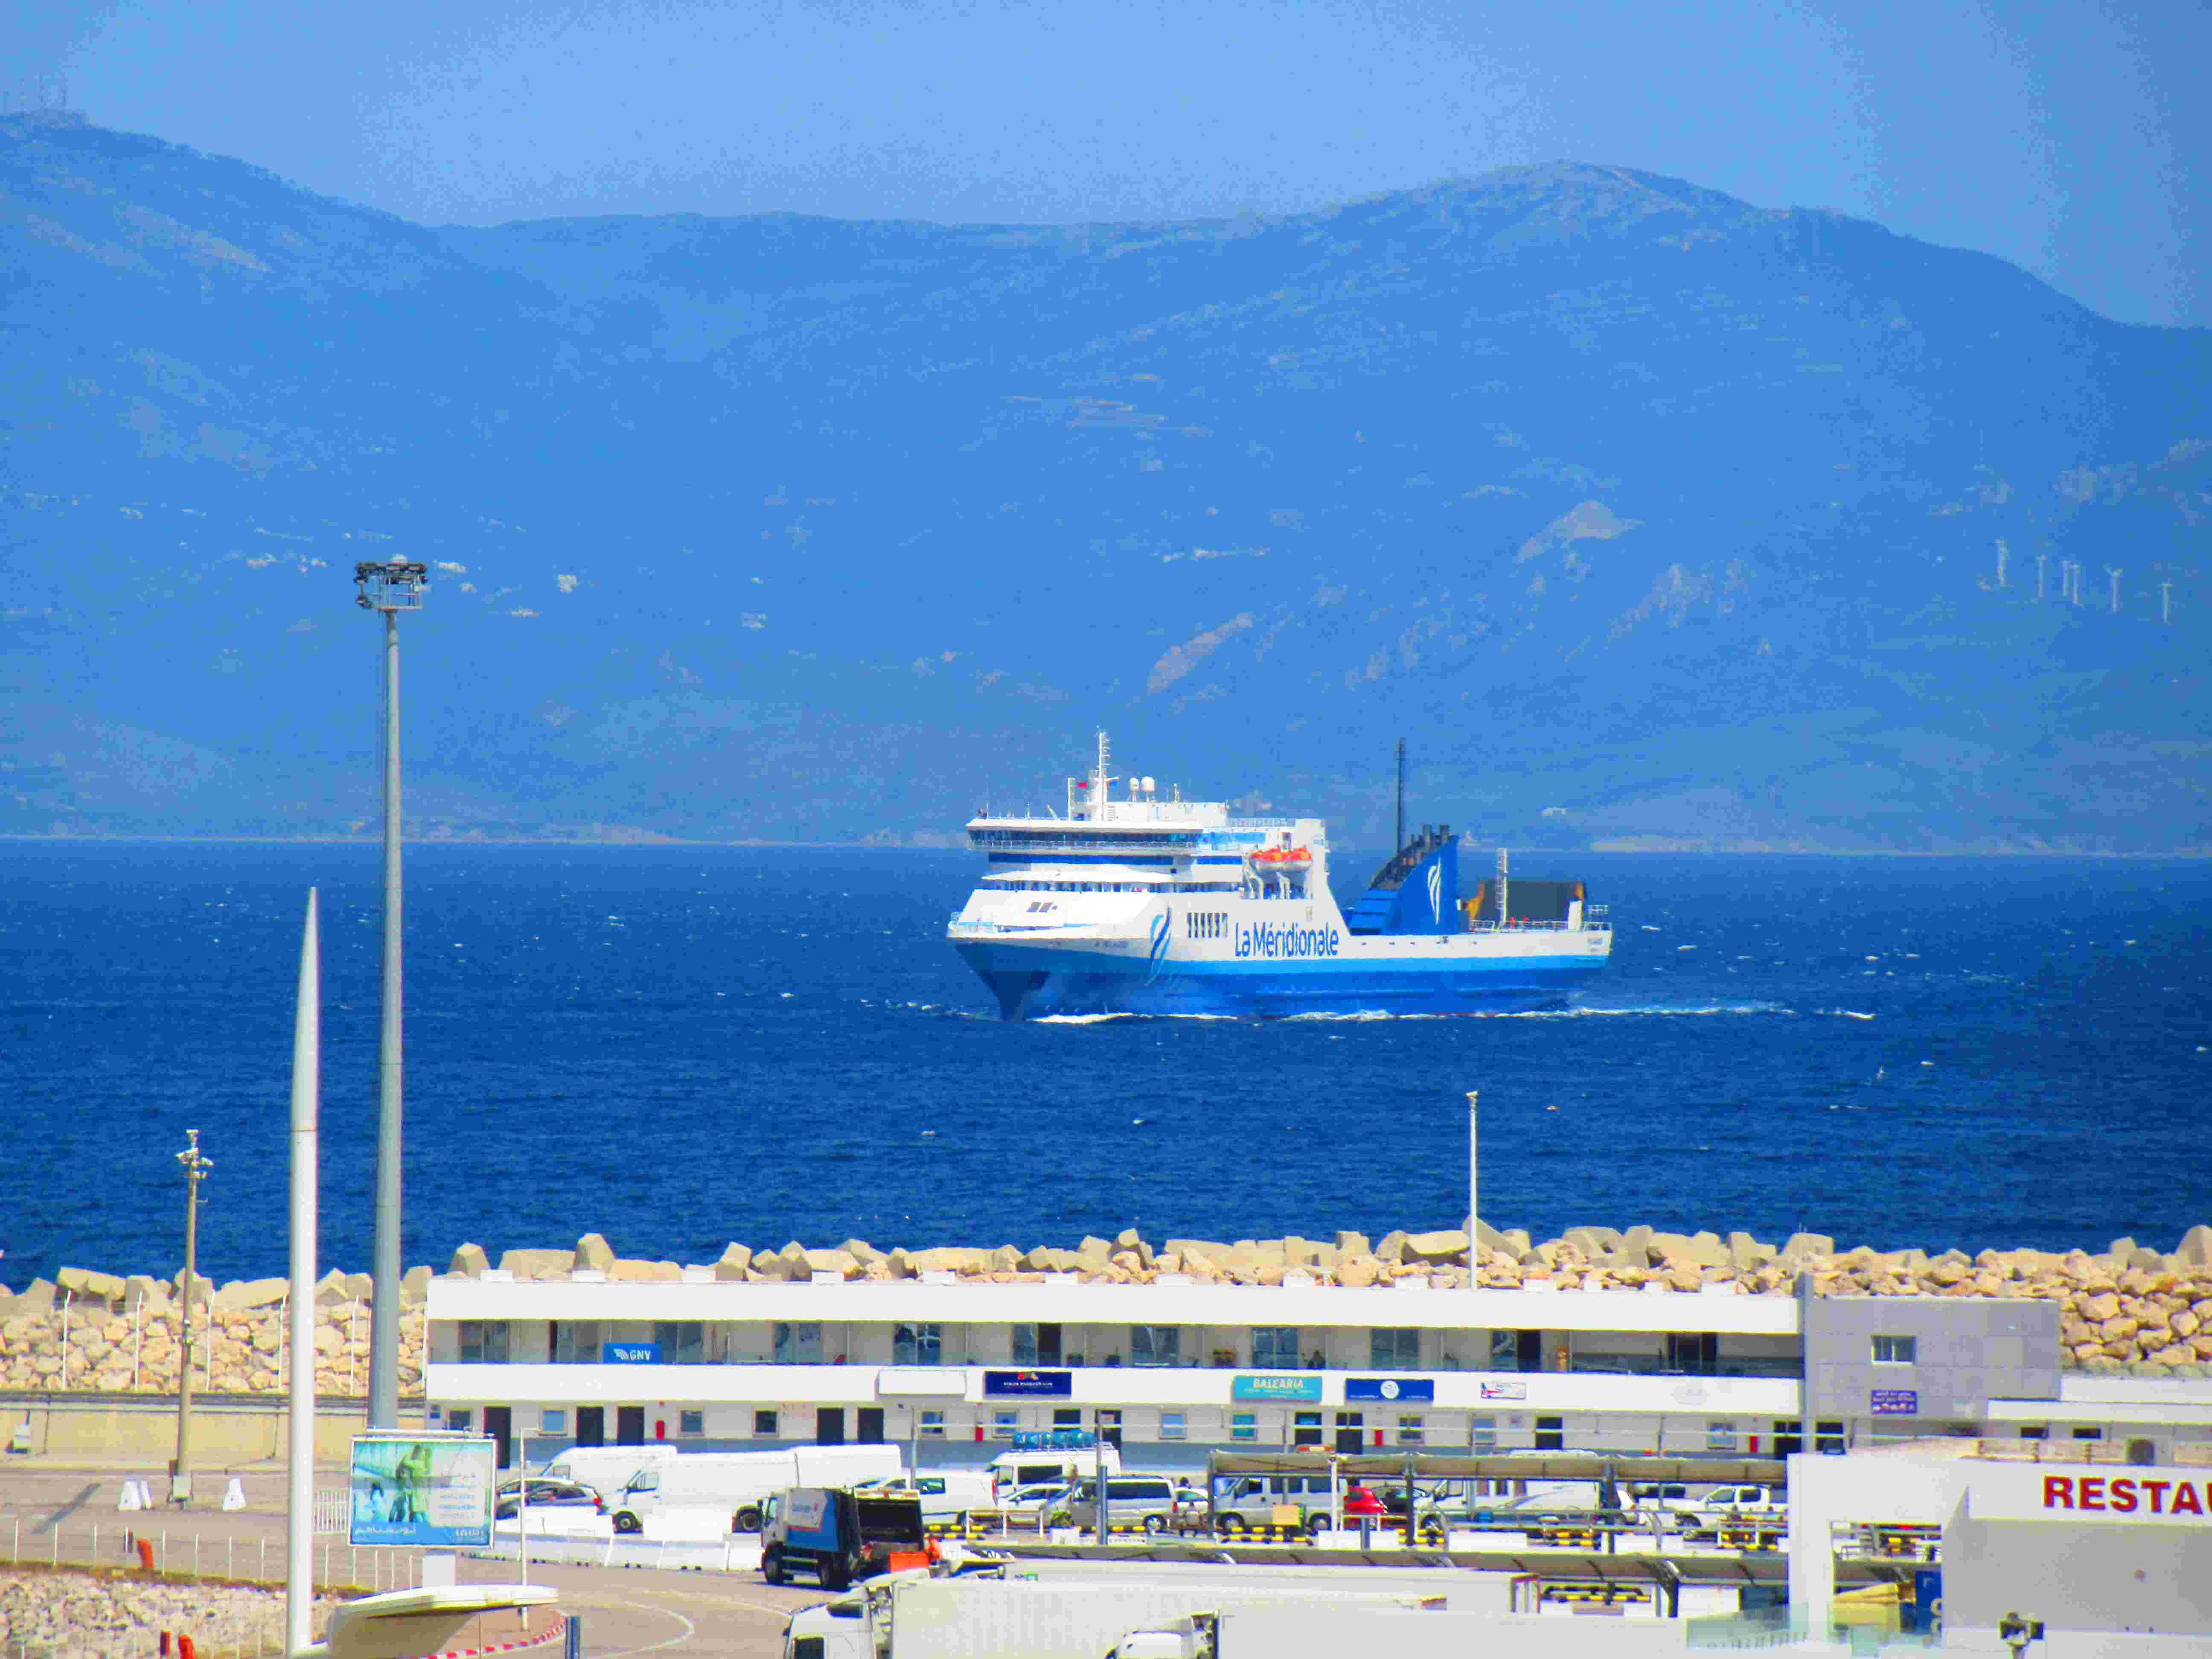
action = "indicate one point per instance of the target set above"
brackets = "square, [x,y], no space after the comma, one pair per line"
[1205,924]
[1090,840]
[1259,1348]
[1071,886]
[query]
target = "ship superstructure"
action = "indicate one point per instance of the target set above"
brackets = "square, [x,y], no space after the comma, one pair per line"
[1134,903]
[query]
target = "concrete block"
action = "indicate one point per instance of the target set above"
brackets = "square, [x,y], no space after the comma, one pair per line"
[1094,1252]
[415,1286]
[2195,1250]
[1435,1249]
[1392,1248]
[468,1262]
[360,1287]
[527,1265]
[243,1295]
[1130,1239]
[593,1251]
[735,1260]
[1349,1244]
[861,1251]
[84,1285]
[627,1271]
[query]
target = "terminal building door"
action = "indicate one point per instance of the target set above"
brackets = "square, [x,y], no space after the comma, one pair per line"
[629,1425]
[498,1423]
[590,1426]
[829,1425]
[870,1431]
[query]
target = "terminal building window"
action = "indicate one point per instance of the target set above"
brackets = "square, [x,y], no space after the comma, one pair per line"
[1693,1353]
[1003,1424]
[1155,1345]
[932,1425]
[1788,1437]
[1895,1349]
[576,1342]
[916,1345]
[1244,1427]
[1828,1439]
[1067,1417]
[1305,1429]
[553,1420]
[797,1344]
[461,1420]
[1720,1435]
[1411,1430]
[683,1342]
[1516,1350]
[1037,1345]
[1173,1426]
[2088,1434]
[1275,1347]
[484,1342]
[1551,1433]
[1482,1434]
[1395,1350]
[690,1423]
[764,1424]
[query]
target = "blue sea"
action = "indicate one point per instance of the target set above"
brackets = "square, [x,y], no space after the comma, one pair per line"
[679,1047]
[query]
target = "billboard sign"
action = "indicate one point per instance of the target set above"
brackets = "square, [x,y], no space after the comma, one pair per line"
[1029,1385]
[1894,1402]
[427,1490]
[1404,1390]
[629,1354]
[1505,1391]
[1275,1387]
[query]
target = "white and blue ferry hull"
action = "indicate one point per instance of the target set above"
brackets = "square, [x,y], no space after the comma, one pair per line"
[1034,979]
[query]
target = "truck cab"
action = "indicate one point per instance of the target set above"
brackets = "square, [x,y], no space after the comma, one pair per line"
[840,1535]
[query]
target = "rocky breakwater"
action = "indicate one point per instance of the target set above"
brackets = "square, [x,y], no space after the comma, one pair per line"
[111,1615]
[2126,1308]
[96,1332]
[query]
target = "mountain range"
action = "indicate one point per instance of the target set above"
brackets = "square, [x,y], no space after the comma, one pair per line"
[1647,516]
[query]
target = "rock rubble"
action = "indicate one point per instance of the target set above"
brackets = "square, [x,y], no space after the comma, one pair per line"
[2124,1309]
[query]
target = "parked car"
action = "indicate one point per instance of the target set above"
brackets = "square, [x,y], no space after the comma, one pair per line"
[546,1495]
[1149,1501]
[1035,1504]
[1250,1500]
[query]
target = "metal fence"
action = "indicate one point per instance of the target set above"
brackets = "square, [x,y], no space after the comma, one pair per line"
[179,1552]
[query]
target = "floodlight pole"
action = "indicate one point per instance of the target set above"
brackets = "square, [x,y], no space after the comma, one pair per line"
[197,1168]
[389,588]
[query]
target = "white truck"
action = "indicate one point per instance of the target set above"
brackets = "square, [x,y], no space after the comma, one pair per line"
[982,1618]
[726,1488]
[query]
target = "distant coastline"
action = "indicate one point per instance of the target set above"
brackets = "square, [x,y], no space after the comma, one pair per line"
[1685,846]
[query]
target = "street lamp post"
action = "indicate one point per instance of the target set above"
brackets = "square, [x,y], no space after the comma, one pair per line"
[390,588]
[197,1166]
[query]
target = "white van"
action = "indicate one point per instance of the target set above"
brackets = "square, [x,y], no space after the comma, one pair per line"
[947,1495]
[605,1469]
[1069,1464]
[730,1484]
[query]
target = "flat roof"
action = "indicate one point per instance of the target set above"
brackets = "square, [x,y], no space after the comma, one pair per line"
[970,1302]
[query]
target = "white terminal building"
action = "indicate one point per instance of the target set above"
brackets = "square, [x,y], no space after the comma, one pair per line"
[1171,1371]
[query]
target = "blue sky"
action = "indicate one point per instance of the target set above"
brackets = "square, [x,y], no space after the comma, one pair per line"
[2064,135]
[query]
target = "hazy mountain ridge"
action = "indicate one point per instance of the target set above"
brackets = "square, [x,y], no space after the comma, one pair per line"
[1615,495]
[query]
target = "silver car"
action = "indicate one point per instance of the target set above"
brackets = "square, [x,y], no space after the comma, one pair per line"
[1132,1500]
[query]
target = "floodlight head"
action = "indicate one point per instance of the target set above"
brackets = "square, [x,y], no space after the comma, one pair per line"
[390,585]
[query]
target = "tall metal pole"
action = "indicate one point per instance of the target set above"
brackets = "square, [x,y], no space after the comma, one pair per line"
[390,588]
[383,1326]
[197,1167]
[307,1052]
[1474,1184]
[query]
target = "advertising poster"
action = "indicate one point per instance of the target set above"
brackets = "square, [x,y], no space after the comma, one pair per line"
[429,1491]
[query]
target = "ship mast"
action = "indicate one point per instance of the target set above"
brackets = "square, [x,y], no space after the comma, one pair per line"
[1398,846]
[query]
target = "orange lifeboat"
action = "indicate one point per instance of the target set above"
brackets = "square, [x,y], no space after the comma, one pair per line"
[1282,861]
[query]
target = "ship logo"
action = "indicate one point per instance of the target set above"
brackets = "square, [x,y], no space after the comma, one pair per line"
[1162,926]
[1436,893]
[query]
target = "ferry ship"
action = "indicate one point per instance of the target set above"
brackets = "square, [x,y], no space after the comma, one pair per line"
[1136,904]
